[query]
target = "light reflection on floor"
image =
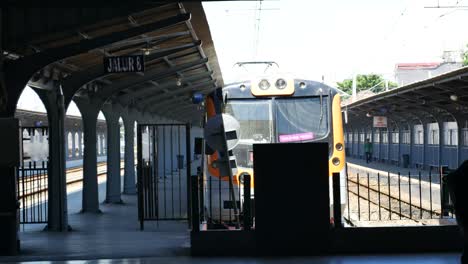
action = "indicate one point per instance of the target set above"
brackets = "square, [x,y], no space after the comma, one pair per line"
[380,259]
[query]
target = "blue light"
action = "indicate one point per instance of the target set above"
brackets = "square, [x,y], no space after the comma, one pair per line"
[197,98]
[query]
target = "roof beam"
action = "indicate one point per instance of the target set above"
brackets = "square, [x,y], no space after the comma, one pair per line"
[182,90]
[73,83]
[18,72]
[169,85]
[109,90]
[131,43]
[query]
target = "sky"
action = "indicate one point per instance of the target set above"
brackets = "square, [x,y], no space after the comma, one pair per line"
[334,38]
[29,100]
[330,38]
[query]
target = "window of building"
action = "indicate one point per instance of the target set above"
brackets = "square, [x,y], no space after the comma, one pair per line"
[465,136]
[376,136]
[385,137]
[450,134]
[70,145]
[395,137]
[405,137]
[418,135]
[433,134]
[77,145]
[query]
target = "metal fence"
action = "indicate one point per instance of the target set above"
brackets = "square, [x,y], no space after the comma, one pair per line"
[397,198]
[211,206]
[163,172]
[32,176]
[33,192]
[374,198]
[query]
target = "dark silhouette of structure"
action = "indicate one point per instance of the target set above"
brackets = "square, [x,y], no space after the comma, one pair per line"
[457,182]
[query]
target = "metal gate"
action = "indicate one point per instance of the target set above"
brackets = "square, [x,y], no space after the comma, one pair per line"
[163,172]
[32,179]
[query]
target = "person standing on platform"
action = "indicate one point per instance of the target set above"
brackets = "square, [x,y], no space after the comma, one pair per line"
[456,182]
[368,150]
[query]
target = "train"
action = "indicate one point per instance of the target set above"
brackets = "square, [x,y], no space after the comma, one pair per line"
[270,109]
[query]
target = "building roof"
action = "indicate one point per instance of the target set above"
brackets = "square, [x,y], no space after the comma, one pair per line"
[417,65]
[435,99]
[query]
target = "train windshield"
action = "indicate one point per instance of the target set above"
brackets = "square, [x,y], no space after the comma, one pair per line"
[254,118]
[301,119]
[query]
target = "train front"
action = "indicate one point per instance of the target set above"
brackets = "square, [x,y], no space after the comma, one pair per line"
[273,110]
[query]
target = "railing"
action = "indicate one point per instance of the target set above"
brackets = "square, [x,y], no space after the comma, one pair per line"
[32,181]
[373,199]
[212,207]
[376,198]
[162,171]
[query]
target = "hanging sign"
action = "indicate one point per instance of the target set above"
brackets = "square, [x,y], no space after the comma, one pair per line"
[119,64]
[380,121]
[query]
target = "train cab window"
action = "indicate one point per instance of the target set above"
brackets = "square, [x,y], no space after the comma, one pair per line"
[254,118]
[301,119]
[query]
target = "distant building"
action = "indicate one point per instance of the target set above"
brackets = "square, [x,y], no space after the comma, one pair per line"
[406,73]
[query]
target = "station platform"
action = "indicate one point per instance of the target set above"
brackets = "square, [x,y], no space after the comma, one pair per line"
[385,167]
[381,259]
[114,237]
[114,233]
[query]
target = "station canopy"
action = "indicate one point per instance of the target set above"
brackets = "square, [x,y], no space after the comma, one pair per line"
[438,99]
[174,40]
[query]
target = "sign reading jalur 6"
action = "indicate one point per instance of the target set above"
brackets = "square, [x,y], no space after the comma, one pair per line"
[130,63]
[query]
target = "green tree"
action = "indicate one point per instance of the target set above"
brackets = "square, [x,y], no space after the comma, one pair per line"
[365,82]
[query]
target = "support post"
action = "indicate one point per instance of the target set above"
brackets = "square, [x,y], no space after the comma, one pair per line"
[188,172]
[247,203]
[129,176]
[195,205]
[112,114]
[57,182]
[89,111]
[140,178]
[9,160]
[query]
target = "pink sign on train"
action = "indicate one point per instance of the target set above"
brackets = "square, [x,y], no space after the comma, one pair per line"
[296,137]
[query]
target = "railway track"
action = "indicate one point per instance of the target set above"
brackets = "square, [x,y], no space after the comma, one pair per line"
[384,206]
[387,198]
[33,203]
[31,182]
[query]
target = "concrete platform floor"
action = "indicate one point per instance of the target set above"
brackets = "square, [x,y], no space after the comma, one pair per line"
[113,234]
[114,237]
[381,259]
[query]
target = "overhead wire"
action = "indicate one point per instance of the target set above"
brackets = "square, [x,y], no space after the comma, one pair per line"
[258,12]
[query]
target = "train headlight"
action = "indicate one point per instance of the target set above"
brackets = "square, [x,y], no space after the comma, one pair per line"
[336,161]
[264,84]
[281,84]
[339,146]
[242,87]
[302,85]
